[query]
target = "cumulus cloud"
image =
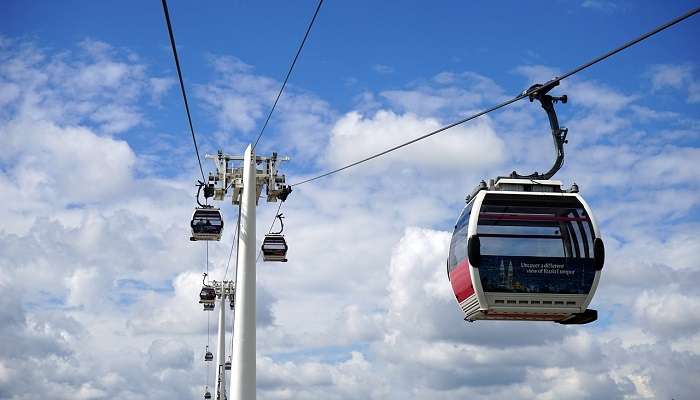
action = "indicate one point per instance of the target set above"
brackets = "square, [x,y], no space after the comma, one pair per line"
[678,77]
[170,354]
[68,237]
[240,101]
[447,94]
[355,136]
[599,5]
[664,312]
[382,69]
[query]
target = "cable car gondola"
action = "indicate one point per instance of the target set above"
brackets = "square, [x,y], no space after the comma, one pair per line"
[207,297]
[525,249]
[274,247]
[208,356]
[207,395]
[207,224]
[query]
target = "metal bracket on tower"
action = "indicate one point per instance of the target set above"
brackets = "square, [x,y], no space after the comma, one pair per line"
[228,179]
[224,288]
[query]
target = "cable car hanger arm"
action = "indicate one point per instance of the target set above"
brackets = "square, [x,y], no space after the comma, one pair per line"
[279,216]
[539,92]
[208,192]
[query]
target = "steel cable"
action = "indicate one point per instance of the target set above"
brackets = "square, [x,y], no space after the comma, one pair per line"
[521,96]
[182,86]
[289,72]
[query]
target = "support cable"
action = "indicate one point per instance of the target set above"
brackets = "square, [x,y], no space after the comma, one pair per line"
[527,93]
[182,85]
[289,72]
[444,128]
[632,42]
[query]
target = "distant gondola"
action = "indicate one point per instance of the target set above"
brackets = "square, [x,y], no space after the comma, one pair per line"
[207,297]
[207,224]
[274,247]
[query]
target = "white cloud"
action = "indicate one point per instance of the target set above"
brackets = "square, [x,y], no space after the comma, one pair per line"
[159,87]
[382,69]
[673,76]
[454,95]
[240,101]
[170,354]
[94,85]
[678,77]
[41,148]
[355,136]
[599,5]
[668,312]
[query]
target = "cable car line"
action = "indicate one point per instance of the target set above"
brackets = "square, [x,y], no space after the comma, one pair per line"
[532,91]
[289,72]
[389,150]
[182,85]
[632,42]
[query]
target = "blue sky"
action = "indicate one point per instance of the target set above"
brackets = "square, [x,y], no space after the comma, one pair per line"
[352,42]
[96,157]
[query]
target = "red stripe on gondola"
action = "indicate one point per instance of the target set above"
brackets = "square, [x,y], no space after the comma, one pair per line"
[527,217]
[461,281]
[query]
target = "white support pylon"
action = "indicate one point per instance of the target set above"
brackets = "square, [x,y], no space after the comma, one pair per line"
[243,375]
[221,347]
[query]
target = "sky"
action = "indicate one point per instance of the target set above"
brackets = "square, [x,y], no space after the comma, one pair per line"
[100,282]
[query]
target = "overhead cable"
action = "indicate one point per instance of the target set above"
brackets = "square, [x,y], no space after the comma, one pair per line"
[182,85]
[521,96]
[631,42]
[389,150]
[289,72]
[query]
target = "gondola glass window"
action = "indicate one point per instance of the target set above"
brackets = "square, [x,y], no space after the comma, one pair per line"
[531,246]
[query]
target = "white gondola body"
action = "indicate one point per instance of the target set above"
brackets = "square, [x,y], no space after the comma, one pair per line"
[505,297]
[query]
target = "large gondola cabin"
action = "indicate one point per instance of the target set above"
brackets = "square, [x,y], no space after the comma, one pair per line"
[526,249]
